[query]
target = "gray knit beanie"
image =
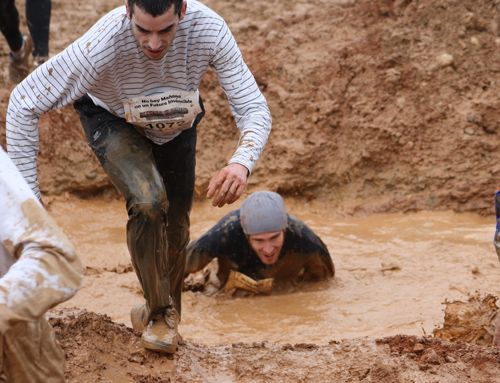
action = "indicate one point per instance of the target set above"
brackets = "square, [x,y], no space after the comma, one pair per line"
[263,212]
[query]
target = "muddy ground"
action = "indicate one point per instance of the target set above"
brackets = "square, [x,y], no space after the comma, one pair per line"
[378,106]
[103,351]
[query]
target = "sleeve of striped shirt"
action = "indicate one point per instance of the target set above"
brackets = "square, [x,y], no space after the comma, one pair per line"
[248,104]
[58,82]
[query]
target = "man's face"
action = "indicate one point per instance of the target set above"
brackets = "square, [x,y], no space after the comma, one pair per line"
[267,245]
[155,34]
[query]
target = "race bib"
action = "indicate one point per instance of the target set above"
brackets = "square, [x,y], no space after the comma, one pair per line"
[163,116]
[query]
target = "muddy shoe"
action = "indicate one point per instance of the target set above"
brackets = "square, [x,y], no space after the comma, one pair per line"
[161,334]
[139,317]
[20,62]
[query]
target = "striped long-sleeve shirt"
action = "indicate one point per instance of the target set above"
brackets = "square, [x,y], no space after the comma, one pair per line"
[108,64]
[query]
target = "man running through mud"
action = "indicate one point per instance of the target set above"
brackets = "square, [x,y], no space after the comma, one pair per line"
[134,78]
[257,246]
[38,269]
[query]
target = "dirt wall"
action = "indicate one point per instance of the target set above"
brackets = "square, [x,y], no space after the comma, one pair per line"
[378,105]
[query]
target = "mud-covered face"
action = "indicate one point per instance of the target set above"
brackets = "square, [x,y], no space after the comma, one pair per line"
[155,34]
[267,246]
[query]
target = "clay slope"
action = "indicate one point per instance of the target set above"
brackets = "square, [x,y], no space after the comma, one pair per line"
[378,105]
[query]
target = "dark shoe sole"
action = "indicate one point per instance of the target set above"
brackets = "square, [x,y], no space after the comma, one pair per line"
[161,347]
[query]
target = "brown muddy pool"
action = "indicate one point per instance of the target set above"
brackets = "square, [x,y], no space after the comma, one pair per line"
[393,273]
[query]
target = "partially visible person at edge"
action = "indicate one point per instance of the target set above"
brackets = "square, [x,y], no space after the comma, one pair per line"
[258,246]
[496,243]
[134,78]
[38,20]
[25,50]
[38,270]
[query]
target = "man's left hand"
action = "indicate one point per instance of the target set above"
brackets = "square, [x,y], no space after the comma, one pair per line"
[227,185]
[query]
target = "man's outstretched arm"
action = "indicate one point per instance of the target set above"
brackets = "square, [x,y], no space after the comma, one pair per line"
[318,268]
[196,258]
[251,113]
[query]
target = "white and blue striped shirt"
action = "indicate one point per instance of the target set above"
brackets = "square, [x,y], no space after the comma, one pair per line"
[108,64]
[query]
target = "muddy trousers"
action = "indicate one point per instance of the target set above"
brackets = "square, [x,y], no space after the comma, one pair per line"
[9,24]
[29,353]
[38,19]
[157,182]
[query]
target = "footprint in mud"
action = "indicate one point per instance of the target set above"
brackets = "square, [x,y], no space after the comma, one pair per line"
[119,269]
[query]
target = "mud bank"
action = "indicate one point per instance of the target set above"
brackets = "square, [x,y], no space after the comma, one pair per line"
[378,105]
[100,350]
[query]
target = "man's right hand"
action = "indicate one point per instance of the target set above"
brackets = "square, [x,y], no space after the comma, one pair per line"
[227,185]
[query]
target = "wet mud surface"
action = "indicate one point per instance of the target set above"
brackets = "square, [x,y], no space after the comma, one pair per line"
[401,308]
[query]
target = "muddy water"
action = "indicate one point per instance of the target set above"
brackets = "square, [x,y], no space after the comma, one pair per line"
[392,274]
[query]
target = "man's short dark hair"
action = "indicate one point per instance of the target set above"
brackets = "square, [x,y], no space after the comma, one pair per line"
[155,7]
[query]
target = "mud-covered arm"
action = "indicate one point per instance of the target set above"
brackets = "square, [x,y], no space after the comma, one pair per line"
[319,266]
[248,104]
[46,269]
[316,261]
[219,241]
[197,258]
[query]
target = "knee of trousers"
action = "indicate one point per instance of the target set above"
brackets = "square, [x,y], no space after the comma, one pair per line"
[153,208]
[178,240]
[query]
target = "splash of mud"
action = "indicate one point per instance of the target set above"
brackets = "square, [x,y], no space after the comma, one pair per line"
[472,321]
